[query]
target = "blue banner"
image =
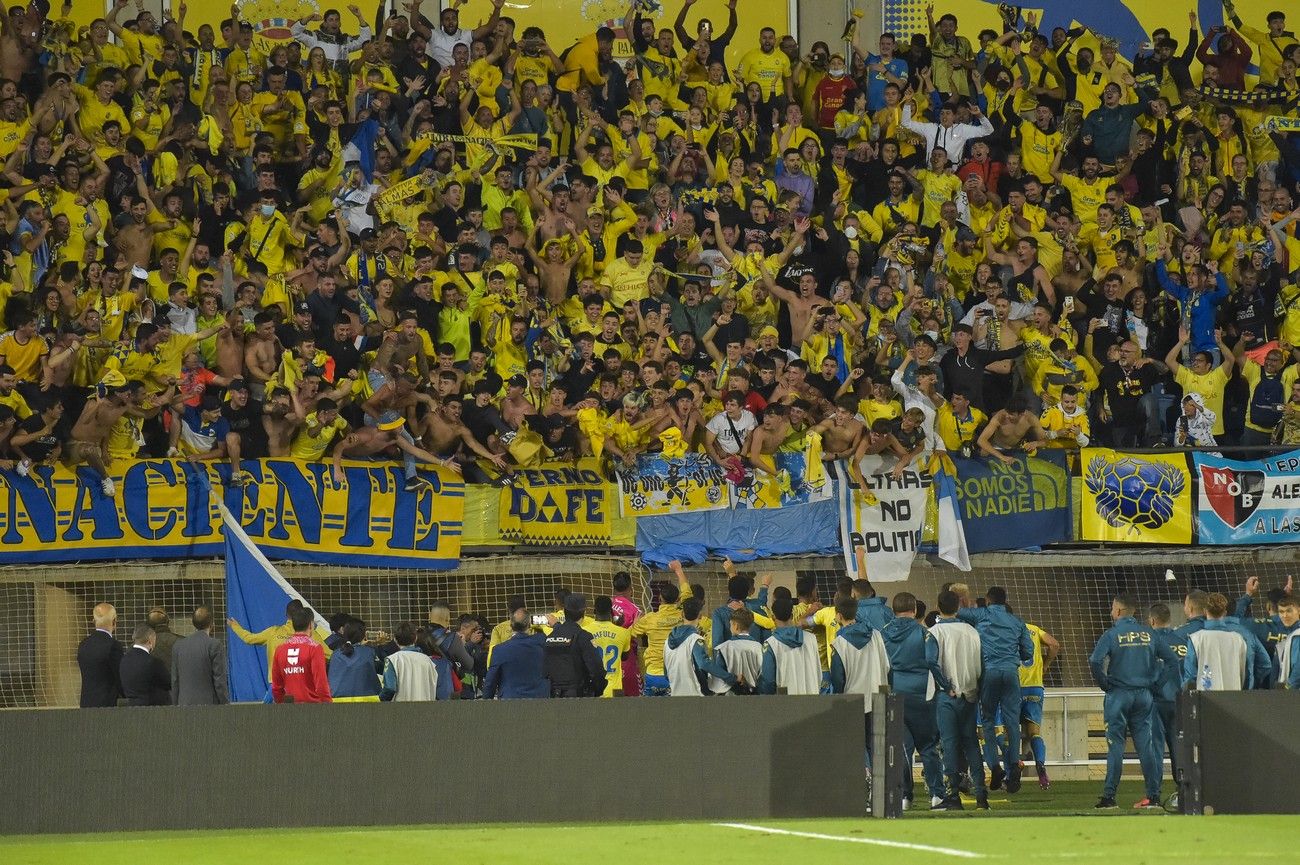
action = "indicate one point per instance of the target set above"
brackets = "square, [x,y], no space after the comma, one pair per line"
[1008,506]
[1248,501]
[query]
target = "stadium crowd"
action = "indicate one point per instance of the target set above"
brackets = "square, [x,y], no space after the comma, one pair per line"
[341,247]
[970,673]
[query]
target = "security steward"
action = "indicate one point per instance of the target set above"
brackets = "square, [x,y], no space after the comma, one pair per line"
[572,661]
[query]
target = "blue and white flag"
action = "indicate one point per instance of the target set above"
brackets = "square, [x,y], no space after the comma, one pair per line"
[256,597]
[361,147]
[952,534]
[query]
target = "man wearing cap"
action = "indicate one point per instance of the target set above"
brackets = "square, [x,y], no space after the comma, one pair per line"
[572,662]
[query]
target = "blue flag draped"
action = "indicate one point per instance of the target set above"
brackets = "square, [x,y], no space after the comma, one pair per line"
[256,597]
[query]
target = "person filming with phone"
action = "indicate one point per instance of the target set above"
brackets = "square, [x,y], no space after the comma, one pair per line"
[517,668]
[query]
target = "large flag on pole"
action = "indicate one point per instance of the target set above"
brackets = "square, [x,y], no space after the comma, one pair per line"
[256,596]
[952,533]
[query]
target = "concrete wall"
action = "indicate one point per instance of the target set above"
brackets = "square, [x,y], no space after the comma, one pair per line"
[101,770]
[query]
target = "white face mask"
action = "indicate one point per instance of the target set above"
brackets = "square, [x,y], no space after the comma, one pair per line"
[836,73]
[797,250]
[850,232]
[933,334]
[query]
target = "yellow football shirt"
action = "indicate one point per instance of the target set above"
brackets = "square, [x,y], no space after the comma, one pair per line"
[613,643]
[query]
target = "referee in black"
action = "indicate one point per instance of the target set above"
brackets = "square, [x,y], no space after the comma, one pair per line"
[572,661]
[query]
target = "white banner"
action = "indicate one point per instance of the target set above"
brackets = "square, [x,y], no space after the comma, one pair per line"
[887,519]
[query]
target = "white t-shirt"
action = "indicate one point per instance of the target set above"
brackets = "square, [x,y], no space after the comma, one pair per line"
[719,426]
[441,43]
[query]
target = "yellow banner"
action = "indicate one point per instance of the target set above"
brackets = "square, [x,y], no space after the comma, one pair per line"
[522,141]
[291,509]
[1128,21]
[1137,498]
[558,504]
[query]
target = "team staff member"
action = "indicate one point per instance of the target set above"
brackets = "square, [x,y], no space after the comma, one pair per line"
[1125,664]
[914,672]
[298,672]
[1004,645]
[859,660]
[686,664]
[1168,681]
[572,662]
[955,716]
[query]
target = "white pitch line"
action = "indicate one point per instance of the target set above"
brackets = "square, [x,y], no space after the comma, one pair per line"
[878,842]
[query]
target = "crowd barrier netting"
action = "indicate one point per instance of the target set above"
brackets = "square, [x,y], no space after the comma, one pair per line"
[45,611]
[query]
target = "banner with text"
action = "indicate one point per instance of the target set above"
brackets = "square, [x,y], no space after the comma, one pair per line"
[290,509]
[1137,498]
[886,518]
[557,504]
[657,485]
[1006,506]
[1248,501]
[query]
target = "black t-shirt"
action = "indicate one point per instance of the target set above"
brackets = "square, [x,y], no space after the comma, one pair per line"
[1124,391]
[827,387]
[247,422]
[40,449]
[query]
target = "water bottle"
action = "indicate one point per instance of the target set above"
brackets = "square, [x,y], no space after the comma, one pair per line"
[1207,678]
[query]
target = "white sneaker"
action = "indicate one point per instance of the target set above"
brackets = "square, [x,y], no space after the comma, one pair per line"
[907,804]
[108,487]
[935,802]
[23,468]
[173,452]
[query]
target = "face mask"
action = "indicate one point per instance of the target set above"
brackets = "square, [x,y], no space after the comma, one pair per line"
[268,209]
[836,73]
[933,334]
[850,232]
[797,250]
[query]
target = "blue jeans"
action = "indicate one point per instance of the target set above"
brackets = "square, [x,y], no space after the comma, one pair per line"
[1128,712]
[1000,690]
[921,734]
[956,721]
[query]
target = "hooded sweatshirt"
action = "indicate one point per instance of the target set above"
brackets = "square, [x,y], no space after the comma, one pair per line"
[688,666]
[859,662]
[790,661]
[913,659]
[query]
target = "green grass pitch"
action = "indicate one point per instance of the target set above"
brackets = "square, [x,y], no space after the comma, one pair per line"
[1031,828]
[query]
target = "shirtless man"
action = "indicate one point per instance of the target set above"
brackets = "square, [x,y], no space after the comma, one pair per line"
[767,439]
[841,432]
[999,332]
[443,433]
[281,419]
[231,345]
[1011,428]
[398,349]
[86,441]
[135,239]
[388,439]
[20,29]
[397,397]
[802,304]
[553,269]
[261,353]
[879,440]
[515,407]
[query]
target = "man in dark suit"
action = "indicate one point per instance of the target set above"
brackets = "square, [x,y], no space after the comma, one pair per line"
[144,678]
[164,639]
[99,657]
[518,665]
[199,666]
